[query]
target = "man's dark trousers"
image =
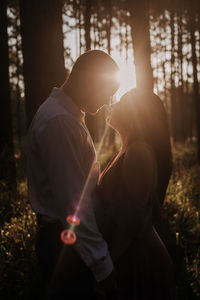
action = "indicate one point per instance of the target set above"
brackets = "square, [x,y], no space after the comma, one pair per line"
[64,274]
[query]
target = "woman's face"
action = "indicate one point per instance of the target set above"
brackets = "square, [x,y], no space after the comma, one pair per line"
[117,115]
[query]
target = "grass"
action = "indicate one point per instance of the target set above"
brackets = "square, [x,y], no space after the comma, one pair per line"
[182,209]
[19,272]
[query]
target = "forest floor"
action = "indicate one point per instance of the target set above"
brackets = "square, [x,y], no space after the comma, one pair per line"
[19,271]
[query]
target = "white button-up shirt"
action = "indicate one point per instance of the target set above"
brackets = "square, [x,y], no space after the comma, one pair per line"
[60,154]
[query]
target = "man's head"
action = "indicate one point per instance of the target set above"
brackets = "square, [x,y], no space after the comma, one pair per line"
[93,80]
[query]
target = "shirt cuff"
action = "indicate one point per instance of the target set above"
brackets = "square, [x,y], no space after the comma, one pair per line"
[103,268]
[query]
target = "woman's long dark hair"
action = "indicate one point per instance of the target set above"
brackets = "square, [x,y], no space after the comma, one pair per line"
[149,124]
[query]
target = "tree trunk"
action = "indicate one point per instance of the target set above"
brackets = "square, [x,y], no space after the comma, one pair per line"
[80,26]
[43,52]
[18,97]
[109,24]
[111,132]
[195,79]
[139,21]
[172,80]
[181,97]
[7,170]
[91,121]
[88,25]
[95,30]
[165,78]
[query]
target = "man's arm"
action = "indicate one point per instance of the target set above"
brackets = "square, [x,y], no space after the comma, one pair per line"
[61,156]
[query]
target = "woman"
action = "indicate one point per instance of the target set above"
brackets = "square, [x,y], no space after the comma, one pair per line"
[130,196]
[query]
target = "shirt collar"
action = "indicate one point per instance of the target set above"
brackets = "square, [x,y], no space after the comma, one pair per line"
[68,103]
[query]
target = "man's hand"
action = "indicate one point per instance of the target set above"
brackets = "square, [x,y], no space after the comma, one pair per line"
[107,288]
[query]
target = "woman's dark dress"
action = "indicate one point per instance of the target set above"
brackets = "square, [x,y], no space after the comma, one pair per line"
[145,267]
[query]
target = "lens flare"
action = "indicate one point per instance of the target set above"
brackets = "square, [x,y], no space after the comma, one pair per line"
[73,220]
[68,236]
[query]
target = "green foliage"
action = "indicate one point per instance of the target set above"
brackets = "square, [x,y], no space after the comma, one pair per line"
[182,208]
[19,271]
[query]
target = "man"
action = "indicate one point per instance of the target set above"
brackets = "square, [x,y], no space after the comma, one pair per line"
[60,154]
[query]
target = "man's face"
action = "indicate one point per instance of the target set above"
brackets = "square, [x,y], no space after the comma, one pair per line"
[95,102]
[99,96]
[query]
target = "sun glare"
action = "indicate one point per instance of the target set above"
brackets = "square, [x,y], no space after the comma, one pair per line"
[126,76]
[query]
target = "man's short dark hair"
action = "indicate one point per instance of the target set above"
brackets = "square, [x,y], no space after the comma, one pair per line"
[96,62]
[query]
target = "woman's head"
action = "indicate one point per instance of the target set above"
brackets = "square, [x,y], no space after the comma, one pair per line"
[137,115]
[127,115]
[140,116]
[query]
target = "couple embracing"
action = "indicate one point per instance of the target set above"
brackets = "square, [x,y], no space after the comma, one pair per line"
[118,254]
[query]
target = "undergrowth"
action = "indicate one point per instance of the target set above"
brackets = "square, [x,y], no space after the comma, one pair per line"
[19,271]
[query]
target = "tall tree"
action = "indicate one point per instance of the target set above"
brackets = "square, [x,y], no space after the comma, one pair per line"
[108,24]
[108,13]
[88,5]
[192,25]
[139,16]
[172,78]
[91,121]
[43,53]
[15,62]
[7,170]
[181,96]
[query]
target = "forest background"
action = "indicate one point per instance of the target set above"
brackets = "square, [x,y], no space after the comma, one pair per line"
[157,45]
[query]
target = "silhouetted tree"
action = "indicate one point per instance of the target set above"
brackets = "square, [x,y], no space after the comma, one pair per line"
[16,74]
[193,27]
[7,169]
[43,53]
[139,16]
[91,121]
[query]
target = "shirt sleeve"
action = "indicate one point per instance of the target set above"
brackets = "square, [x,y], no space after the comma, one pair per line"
[61,155]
